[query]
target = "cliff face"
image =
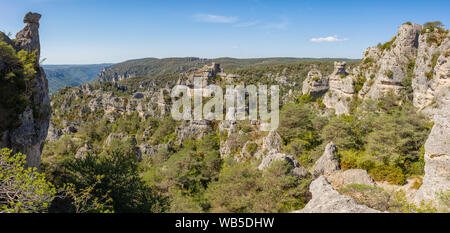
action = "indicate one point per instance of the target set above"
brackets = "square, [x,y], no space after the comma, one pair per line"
[415,63]
[30,130]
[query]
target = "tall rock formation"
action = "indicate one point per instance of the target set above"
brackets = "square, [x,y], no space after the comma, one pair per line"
[416,62]
[437,159]
[30,129]
[341,89]
[315,84]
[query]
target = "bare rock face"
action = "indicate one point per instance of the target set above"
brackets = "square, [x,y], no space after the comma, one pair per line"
[28,38]
[327,163]
[315,84]
[341,89]
[341,178]
[272,143]
[84,151]
[392,64]
[297,170]
[432,71]
[437,159]
[193,129]
[28,137]
[327,200]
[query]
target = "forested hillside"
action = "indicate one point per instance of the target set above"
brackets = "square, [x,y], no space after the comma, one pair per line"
[60,76]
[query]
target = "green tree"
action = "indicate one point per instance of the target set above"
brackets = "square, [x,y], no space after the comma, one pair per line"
[120,181]
[22,189]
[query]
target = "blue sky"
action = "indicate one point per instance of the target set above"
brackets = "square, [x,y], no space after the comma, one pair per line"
[103,31]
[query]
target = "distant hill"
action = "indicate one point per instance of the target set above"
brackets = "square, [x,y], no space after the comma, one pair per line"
[60,76]
[153,67]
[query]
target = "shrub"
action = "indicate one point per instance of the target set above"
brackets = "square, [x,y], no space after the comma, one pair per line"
[252,148]
[305,99]
[374,197]
[387,45]
[120,181]
[359,83]
[22,189]
[429,75]
[389,73]
[349,159]
[296,122]
[391,174]
[432,25]
[402,205]
[345,131]
[249,190]
[434,60]
[368,61]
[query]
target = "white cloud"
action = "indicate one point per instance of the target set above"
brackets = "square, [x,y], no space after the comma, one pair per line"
[215,18]
[247,24]
[328,39]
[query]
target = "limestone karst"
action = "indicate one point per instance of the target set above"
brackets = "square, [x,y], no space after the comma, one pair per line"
[417,55]
[29,134]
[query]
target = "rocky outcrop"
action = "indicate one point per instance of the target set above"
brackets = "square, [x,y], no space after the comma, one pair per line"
[193,129]
[390,63]
[327,163]
[33,123]
[53,133]
[297,170]
[315,84]
[84,151]
[437,159]
[327,200]
[432,71]
[341,178]
[418,55]
[148,151]
[341,89]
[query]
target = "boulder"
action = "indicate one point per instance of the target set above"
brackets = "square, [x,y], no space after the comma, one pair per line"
[341,178]
[297,170]
[327,163]
[327,200]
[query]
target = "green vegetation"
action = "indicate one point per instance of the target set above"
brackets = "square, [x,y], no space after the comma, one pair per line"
[431,26]
[60,76]
[370,196]
[18,70]
[389,73]
[387,45]
[378,198]
[374,141]
[22,190]
[429,75]
[383,137]
[390,174]
[249,190]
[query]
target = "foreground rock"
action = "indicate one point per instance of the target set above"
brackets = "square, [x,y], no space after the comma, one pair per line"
[437,160]
[353,176]
[327,200]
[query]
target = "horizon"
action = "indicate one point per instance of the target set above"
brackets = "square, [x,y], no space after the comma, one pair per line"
[84,32]
[213,58]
